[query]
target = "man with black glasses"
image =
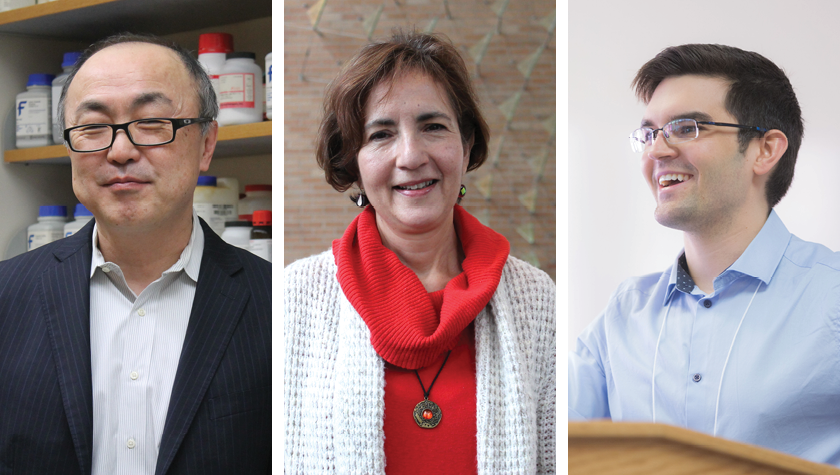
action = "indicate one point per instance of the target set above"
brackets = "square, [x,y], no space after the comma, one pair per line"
[740,338]
[142,343]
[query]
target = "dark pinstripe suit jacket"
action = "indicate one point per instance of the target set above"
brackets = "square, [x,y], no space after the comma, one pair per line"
[219,416]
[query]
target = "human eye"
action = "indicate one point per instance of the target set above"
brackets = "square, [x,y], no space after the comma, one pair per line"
[91,130]
[379,135]
[151,124]
[435,127]
[684,128]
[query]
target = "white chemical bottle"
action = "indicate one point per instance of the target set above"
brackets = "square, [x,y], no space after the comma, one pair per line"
[228,188]
[212,52]
[57,85]
[32,112]
[238,233]
[49,228]
[81,216]
[240,97]
[260,243]
[256,197]
[6,5]
[209,203]
[268,86]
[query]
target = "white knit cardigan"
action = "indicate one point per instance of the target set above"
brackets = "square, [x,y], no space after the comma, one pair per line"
[335,382]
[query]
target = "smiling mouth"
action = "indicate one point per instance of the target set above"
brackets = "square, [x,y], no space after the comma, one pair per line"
[417,186]
[672,179]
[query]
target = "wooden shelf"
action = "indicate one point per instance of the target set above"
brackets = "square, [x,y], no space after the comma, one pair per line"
[93,19]
[234,140]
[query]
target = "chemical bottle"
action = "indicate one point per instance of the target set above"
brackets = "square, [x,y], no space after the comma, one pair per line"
[268,86]
[6,5]
[228,188]
[32,110]
[212,49]
[81,216]
[49,228]
[256,197]
[238,233]
[240,97]
[261,234]
[208,203]
[57,85]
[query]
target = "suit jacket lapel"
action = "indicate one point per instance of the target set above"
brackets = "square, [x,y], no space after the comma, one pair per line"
[65,291]
[217,308]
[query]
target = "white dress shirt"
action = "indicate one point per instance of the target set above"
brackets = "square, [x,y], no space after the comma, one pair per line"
[135,348]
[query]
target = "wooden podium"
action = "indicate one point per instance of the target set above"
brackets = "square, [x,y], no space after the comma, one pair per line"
[619,448]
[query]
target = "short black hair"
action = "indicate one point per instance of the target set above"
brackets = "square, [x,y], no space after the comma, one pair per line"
[760,94]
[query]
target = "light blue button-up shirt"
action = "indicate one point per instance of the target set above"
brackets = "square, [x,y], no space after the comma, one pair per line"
[761,367]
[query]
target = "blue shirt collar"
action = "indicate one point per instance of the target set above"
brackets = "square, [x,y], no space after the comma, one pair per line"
[759,260]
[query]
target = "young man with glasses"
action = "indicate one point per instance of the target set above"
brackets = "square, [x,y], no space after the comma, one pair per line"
[740,338]
[142,343]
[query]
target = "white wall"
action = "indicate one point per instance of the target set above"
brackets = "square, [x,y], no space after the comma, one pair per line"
[612,233]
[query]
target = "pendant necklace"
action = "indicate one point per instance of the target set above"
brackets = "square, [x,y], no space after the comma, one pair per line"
[427,414]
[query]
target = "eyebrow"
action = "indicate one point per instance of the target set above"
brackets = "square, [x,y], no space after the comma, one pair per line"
[426,116]
[93,105]
[696,115]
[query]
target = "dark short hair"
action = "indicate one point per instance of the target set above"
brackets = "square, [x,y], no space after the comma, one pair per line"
[340,135]
[760,94]
[207,106]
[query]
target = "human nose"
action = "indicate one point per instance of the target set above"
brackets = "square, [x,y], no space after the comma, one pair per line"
[659,147]
[122,150]
[412,153]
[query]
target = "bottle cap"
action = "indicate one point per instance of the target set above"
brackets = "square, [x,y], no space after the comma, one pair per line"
[40,79]
[207,180]
[215,43]
[81,210]
[257,188]
[70,58]
[237,224]
[52,210]
[262,218]
[241,55]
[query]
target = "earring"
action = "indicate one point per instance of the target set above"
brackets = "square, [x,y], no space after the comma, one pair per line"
[463,191]
[362,200]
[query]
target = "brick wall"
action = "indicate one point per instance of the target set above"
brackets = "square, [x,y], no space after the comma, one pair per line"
[509,47]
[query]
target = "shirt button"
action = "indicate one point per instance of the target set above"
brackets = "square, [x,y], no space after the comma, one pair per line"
[131,444]
[134,375]
[707,303]
[697,377]
[141,312]
[106,269]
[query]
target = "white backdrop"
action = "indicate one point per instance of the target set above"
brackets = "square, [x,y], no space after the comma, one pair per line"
[612,233]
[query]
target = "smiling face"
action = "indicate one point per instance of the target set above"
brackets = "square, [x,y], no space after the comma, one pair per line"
[412,160]
[705,182]
[141,188]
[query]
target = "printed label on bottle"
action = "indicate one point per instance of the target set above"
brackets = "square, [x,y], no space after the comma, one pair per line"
[236,90]
[37,239]
[214,81]
[262,248]
[33,117]
[213,214]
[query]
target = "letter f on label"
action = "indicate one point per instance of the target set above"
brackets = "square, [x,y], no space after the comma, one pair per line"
[20,106]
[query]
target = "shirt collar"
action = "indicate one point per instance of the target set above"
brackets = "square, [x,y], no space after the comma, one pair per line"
[759,260]
[189,261]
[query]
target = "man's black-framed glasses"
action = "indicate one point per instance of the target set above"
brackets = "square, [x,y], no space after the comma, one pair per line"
[141,132]
[678,131]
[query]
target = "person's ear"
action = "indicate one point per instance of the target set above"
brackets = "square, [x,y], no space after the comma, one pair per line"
[771,147]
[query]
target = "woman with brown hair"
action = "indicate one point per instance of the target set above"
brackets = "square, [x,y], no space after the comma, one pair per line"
[417,344]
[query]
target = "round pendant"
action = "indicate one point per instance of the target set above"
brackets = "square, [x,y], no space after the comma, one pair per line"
[427,414]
